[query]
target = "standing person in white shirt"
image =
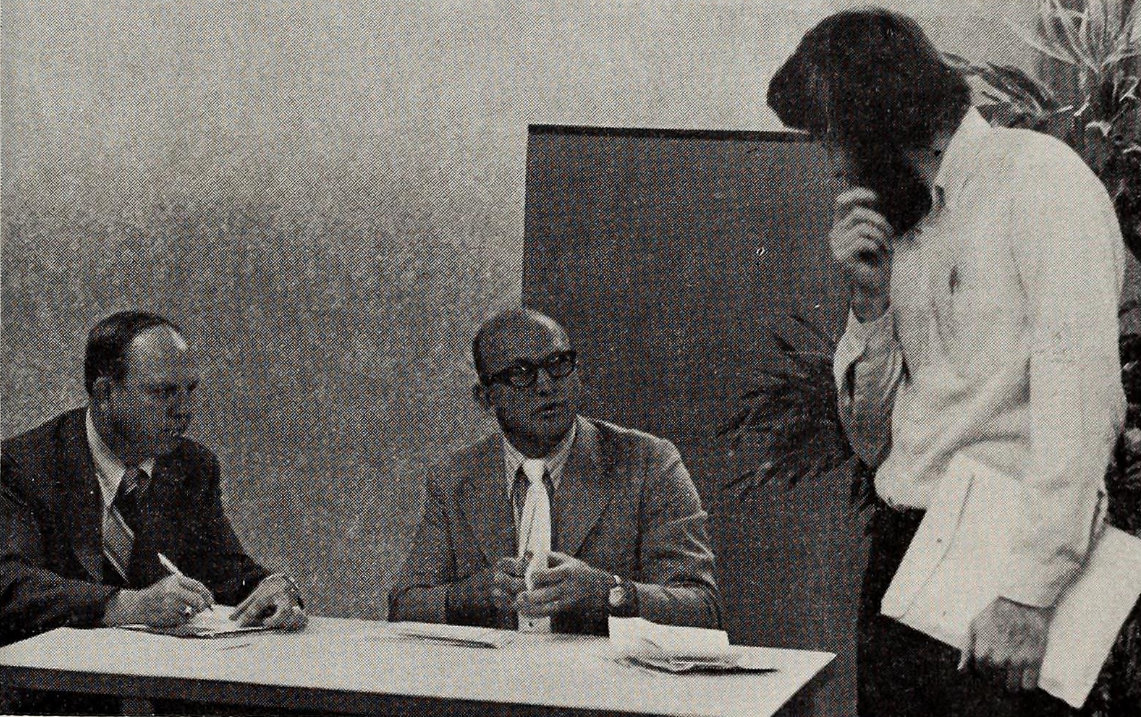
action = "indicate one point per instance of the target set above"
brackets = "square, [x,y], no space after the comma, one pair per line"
[985,268]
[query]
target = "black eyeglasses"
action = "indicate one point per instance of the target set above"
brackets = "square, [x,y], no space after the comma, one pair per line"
[524,373]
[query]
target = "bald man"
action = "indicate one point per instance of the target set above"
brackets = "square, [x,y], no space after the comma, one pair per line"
[620,524]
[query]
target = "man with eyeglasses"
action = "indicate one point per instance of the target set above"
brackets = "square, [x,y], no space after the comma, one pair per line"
[558,520]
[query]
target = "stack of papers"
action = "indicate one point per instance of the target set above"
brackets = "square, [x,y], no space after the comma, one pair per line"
[453,634]
[214,622]
[678,649]
[960,561]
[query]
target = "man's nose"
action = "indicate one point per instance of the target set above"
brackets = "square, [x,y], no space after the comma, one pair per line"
[183,403]
[544,384]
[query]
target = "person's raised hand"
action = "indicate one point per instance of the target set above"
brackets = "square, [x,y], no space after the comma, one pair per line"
[861,241]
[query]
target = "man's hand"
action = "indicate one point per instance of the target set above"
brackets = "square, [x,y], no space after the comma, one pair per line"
[861,242]
[1012,637]
[567,584]
[273,603]
[169,602]
[508,582]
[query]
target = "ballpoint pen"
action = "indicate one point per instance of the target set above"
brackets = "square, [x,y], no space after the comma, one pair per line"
[173,570]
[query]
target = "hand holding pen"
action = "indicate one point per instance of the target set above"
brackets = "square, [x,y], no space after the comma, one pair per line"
[169,602]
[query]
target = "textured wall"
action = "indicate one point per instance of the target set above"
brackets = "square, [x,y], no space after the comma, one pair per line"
[329,196]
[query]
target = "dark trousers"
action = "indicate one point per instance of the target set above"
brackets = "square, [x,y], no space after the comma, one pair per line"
[901,671]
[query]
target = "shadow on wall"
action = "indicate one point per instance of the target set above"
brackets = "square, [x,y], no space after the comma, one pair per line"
[335,358]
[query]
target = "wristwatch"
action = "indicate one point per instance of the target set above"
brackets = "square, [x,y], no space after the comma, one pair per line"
[622,600]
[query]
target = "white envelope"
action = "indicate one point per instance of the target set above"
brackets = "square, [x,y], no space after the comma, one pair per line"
[960,560]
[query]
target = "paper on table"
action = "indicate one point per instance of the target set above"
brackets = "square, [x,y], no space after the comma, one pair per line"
[959,560]
[453,634]
[214,622]
[678,649]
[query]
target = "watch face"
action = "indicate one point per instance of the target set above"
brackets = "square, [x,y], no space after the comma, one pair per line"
[617,596]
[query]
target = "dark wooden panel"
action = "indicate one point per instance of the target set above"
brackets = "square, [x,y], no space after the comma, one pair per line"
[666,254]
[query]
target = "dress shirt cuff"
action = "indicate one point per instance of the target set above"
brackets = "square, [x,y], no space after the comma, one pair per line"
[869,335]
[1035,586]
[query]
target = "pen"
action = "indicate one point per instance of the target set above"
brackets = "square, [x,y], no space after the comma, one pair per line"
[173,570]
[170,566]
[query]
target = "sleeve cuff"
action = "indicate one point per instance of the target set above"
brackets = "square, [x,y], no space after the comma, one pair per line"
[1038,588]
[864,333]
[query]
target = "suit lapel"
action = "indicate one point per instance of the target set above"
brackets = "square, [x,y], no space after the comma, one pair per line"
[484,501]
[81,495]
[584,490]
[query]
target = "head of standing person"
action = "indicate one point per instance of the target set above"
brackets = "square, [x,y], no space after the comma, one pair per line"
[871,86]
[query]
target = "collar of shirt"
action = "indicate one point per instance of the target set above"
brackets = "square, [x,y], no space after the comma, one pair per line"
[108,467]
[555,461]
[959,158]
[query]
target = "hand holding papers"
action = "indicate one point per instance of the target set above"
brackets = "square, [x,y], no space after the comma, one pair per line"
[958,562]
[452,634]
[678,649]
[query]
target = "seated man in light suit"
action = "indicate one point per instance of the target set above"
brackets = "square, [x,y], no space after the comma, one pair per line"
[624,521]
[91,499]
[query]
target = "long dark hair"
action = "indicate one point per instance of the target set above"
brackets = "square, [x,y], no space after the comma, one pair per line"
[870,81]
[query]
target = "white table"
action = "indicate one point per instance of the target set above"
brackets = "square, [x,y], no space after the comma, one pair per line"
[358,666]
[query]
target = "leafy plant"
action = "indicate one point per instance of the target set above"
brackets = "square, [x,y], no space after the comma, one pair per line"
[792,414]
[1099,40]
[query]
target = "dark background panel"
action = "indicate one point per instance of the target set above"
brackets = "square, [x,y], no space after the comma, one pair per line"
[669,256]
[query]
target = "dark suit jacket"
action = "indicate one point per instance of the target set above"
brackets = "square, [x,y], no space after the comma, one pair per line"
[51,554]
[625,504]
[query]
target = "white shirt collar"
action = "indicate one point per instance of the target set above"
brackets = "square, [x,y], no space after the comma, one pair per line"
[958,158]
[555,461]
[108,467]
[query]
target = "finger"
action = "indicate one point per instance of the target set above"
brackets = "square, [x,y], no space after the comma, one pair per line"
[253,611]
[1013,678]
[189,598]
[280,615]
[856,196]
[1030,678]
[870,217]
[510,566]
[244,604]
[857,247]
[294,619]
[195,586]
[555,559]
[545,578]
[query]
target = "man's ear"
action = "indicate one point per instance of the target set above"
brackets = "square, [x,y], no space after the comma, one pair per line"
[101,389]
[482,396]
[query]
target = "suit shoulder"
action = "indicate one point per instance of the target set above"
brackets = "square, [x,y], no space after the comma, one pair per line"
[462,460]
[38,443]
[631,441]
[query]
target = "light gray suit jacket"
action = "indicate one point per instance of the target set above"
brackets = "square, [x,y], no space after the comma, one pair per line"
[625,504]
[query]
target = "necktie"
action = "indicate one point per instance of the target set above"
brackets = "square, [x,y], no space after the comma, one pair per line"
[124,544]
[535,530]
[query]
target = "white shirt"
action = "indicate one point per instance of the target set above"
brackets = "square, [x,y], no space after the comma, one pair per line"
[1001,342]
[555,461]
[108,467]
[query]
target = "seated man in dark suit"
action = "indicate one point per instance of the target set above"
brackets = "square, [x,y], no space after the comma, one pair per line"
[615,508]
[91,499]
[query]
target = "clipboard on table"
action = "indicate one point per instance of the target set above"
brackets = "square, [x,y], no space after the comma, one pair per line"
[959,562]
